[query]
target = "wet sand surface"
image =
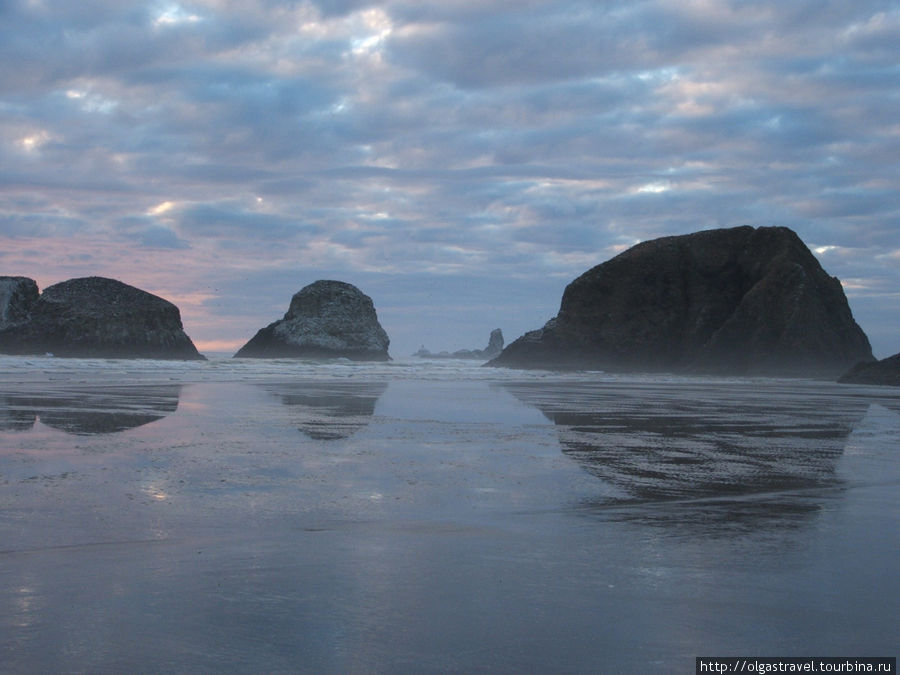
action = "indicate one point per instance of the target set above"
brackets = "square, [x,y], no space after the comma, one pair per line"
[369,520]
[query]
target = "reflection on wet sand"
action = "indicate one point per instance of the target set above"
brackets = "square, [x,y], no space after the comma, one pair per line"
[329,410]
[451,534]
[14,416]
[720,456]
[89,410]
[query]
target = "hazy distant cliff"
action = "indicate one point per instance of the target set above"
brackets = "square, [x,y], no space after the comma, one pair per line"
[494,347]
[326,319]
[886,372]
[740,301]
[90,317]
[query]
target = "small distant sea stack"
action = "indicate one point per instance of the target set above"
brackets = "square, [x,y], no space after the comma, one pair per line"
[327,319]
[738,301]
[494,347]
[886,372]
[91,317]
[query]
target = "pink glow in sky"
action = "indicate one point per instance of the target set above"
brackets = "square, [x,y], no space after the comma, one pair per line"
[459,161]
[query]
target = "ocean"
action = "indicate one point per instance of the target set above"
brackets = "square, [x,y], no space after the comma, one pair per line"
[431,516]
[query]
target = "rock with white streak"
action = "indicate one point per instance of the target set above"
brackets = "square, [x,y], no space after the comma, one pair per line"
[325,320]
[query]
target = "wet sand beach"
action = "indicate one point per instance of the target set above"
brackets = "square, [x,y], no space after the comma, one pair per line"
[423,517]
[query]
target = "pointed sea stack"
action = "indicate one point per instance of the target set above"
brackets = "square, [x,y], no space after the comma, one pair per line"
[739,301]
[327,319]
[91,317]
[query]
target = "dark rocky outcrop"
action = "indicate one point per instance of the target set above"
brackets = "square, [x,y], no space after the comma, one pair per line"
[886,371]
[327,319]
[91,317]
[17,297]
[494,347]
[733,301]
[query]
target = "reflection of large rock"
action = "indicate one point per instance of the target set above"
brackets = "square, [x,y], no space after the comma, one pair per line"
[94,317]
[650,442]
[89,410]
[736,301]
[327,319]
[329,411]
[886,371]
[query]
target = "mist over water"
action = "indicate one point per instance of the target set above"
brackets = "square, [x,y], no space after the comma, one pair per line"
[278,516]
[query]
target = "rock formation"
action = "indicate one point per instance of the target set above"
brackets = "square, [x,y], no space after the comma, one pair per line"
[327,319]
[886,371]
[495,344]
[17,296]
[734,301]
[90,317]
[494,347]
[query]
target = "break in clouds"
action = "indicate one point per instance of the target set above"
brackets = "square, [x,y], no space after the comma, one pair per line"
[459,161]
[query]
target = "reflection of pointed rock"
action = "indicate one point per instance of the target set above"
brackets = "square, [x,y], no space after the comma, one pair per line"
[658,443]
[329,411]
[88,411]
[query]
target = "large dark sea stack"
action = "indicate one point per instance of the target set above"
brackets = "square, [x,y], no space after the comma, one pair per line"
[94,317]
[733,301]
[886,371]
[327,319]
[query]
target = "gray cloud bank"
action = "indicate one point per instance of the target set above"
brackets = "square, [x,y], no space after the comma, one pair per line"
[459,161]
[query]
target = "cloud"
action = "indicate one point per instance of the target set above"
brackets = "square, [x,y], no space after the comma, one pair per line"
[147,232]
[228,221]
[40,225]
[433,143]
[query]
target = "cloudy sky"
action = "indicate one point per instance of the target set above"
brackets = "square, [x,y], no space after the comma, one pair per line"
[460,161]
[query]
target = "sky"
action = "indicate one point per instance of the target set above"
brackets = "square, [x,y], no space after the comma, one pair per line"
[459,161]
